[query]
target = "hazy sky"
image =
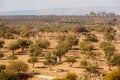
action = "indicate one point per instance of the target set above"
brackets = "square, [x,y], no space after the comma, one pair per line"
[13,5]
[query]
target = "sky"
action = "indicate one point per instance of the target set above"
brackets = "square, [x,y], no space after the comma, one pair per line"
[18,5]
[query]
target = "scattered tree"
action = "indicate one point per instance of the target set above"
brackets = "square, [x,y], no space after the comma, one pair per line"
[50,61]
[108,48]
[13,46]
[71,60]
[86,47]
[12,57]
[17,66]
[33,60]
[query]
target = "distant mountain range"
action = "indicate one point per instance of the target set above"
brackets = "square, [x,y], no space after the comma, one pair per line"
[64,11]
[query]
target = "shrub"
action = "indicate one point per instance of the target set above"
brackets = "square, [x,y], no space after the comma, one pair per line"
[71,76]
[17,66]
[113,75]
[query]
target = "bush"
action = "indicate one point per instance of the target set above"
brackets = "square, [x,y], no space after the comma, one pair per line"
[78,29]
[84,63]
[8,76]
[113,75]
[86,46]
[91,38]
[71,76]
[71,60]
[17,66]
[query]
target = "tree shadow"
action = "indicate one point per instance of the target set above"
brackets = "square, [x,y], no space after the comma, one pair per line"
[41,67]
[21,53]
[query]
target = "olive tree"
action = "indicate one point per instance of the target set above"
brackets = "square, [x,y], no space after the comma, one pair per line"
[109,33]
[35,50]
[71,60]
[86,47]
[17,66]
[33,60]
[12,57]
[72,40]
[13,46]
[50,60]
[23,43]
[108,48]
[44,44]
[61,50]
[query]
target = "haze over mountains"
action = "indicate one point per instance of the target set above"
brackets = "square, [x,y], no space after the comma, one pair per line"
[64,11]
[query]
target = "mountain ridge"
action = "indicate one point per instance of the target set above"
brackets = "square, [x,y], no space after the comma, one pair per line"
[64,11]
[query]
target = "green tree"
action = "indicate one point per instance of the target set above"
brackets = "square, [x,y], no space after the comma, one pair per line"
[61,49]
[50,61]
[12,57]
[27,32]
[86,47]
[33,60]
[108,48]
[72,40]
[91,37]
[44,44]
[89,68]
[23,43]
[84,63]
[35,50]
[71,60]
[13,46]
[114,61]
[17,66]
[109,33]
